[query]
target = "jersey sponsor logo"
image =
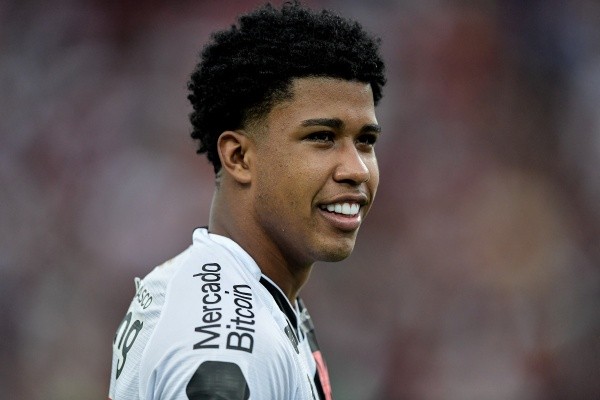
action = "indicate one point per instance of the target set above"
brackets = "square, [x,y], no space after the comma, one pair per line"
[238,331]
[217,380]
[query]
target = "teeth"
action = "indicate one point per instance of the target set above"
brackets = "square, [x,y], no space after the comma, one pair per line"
[343,208]
[346,208]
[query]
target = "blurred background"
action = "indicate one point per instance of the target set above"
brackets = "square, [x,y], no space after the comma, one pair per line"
[477,275]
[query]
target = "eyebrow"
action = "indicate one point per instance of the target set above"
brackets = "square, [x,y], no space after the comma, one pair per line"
[337,123]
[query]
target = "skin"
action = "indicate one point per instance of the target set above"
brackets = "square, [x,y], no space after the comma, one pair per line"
[278,174]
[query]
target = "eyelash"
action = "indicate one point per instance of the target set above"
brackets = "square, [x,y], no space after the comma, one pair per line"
[321,136]
[368,139]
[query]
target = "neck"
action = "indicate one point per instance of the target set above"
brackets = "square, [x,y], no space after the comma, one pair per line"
[232,222]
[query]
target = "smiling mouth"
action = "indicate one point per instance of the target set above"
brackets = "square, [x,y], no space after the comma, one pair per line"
[347,209]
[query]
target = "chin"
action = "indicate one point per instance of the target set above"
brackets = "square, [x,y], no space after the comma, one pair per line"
[336,257]
[337,254]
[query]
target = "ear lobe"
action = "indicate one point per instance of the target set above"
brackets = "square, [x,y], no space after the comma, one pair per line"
[233,149]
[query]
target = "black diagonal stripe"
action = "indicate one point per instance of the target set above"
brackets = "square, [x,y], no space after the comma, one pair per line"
[282,302]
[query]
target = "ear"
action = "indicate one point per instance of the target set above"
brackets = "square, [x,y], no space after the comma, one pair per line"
[235,149]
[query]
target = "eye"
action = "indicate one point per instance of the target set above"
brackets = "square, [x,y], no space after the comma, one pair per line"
[321,136]
[368,139]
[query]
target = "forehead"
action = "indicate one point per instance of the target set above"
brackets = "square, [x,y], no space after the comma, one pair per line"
[315,86]
[318,97]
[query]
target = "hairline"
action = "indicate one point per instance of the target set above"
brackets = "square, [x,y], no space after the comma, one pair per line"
[255,115]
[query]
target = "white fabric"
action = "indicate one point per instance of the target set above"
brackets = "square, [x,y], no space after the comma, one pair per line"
[209,297]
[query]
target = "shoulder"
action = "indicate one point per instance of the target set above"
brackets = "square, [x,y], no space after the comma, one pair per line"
[218,319]
[213,310]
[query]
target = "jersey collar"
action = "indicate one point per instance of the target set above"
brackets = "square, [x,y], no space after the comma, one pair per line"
[281,300]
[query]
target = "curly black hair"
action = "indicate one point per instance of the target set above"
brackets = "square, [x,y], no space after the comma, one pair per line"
[243,71]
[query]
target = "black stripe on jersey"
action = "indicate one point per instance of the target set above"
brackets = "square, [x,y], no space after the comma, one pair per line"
[309,330]
[306,324]
[218,380]
[282,302]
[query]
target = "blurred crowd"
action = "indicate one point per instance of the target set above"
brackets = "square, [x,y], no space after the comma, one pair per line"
[476,276]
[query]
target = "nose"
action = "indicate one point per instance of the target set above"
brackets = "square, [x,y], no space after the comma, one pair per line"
[351,167]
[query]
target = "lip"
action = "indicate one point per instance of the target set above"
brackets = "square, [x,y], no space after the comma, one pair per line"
[342,222]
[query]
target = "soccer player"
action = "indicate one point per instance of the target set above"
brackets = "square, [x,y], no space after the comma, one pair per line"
[284,108]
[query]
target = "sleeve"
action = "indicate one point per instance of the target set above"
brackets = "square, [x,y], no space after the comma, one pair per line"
[186,373]
[221,344]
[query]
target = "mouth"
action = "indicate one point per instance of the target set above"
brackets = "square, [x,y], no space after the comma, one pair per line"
[347,209]
[343,216]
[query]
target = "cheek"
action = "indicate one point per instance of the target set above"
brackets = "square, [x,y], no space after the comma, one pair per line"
[373,182]
[289,176]
[275,181]
[293,169]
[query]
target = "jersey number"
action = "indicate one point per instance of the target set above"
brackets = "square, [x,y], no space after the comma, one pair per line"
[127,332]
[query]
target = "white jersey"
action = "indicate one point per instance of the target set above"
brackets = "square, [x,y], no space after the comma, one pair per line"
[207,324]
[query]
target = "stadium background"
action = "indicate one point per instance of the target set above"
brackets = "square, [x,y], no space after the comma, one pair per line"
[477,275]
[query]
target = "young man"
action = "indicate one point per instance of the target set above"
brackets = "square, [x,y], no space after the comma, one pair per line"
[284,109]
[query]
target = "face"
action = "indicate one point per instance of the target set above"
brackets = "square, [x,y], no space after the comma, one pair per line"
[315,173]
